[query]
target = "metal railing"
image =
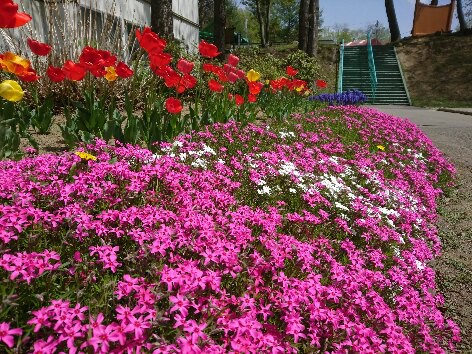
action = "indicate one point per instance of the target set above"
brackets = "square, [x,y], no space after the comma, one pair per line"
[372,71]
[341,67]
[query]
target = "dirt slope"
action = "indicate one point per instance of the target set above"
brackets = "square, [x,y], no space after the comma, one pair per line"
[438,69]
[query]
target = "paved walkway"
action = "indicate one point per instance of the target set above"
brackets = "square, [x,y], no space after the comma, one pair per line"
[450,132]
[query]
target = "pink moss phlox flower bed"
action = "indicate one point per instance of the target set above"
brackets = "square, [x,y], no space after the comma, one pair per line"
[308,236]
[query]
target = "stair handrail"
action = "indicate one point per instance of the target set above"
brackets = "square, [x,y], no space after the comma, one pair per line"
[372,71]
[341,67]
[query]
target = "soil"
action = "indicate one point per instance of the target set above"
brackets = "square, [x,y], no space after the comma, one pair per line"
[438,69]
[52,142]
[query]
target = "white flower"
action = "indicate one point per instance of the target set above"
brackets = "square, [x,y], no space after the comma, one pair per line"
[208,149]
[264,190]
[199,163]
[419,265]
[340,206]
[177,144]
[292,190]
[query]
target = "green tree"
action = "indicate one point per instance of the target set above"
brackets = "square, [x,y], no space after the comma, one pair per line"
[285,19]
[262,10]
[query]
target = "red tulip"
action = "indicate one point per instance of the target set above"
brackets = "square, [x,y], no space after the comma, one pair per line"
[239,100]
[38,48]
[252,98]
[123,70]
[96,59]
[232,77]
[29,76]
[10,17]
[321,83]
[55,74]
[291,71]
[150,41]
[185,66]
[180,89]
[221,74]
[208,68]
[74,71]
[173,105]
[233,60]
[241,74]
[170,76]
[255,87]
[160,59]
[188,81]
[208,50]
[215,86]
[98,71]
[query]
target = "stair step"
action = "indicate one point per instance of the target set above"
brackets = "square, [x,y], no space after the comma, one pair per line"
[390,87]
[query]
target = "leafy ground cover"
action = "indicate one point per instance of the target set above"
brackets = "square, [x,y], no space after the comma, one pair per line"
[312,235]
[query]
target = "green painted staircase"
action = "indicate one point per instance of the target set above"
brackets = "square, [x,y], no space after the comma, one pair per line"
[390,84]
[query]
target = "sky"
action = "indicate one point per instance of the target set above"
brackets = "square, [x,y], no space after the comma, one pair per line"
[360,13]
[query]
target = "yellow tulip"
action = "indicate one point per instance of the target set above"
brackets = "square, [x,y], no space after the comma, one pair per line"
[253,75]
[381,147]
[11,91]
[111,74]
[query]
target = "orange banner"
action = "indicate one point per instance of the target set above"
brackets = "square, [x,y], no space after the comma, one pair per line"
[431,19]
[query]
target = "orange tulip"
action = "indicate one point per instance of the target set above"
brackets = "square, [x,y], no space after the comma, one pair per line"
[14,64]
[111,74]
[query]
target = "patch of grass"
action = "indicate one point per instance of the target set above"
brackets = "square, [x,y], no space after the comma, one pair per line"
[436,102]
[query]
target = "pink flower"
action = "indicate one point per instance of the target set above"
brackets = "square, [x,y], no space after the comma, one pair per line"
[180,304]
[138,325]
[6,334]
[195,330]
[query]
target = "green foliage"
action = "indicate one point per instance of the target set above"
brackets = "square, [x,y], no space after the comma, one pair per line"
[284,20]
[9,136]
[92,118]
[309,67]
[41,115]
[255,58]
[14,124]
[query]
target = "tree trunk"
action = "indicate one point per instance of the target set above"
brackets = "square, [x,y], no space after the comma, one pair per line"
[460,16]
[267,21]
[220,24]
[392,21]
[303,25]
[313,27]
[262,26]
[162,18]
